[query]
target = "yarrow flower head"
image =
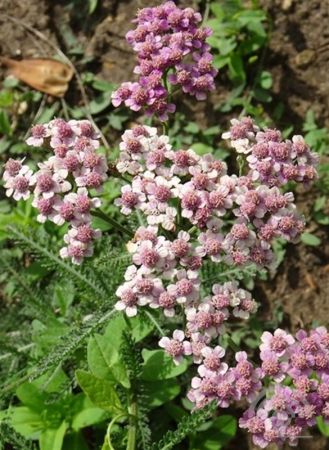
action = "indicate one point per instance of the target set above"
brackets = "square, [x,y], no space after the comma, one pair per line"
[61,186]
[167,39]
[272,160]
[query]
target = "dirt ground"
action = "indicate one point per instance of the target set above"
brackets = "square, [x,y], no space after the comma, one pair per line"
[298,58]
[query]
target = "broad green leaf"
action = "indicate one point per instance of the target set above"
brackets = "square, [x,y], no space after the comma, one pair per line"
[217,10]
[250,16]
[104,359]
[160,392]
[25,421]
[310,239]
[192,127]
[87,417]
[53,438]
[202,149]
[321,217]
[31,396]
[159,366]
[220,432]
[141,327]
[320,203]
[100,103]
[221,61]
[101,392]
[64,296]
[102,85]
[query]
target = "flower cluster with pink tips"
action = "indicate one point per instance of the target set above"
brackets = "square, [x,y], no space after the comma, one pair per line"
[235,218]
[196,212]
[61,186]
[287,392]
[295,371]
[272,160]
[163,39]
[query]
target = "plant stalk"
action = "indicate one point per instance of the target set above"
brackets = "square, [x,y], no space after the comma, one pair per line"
[132,429]
[113,222]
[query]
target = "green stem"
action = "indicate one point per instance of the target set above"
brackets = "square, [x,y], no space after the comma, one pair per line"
[155,323]
[132,429]
[113,222]
[109,429]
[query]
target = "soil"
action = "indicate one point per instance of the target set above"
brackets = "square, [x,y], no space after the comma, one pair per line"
[298,58]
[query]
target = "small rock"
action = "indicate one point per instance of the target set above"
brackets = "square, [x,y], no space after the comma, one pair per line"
[305,58]
[286,4]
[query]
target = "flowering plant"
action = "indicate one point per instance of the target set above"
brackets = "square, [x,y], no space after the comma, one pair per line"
[194,213]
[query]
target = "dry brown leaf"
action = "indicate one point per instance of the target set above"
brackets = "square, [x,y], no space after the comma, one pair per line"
[45,75]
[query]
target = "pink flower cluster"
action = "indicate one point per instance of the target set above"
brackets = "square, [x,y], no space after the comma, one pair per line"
[61,187]
[271,159]
[236,218]
[195,211]
[165,35]
[296,373]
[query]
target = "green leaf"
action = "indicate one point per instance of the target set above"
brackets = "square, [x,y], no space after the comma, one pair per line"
[192,127]
[160,392]
[102,85]
[49,113]
[88,417]
[31,396]
[321,218]
[140,327]
[74,441]
[221,61]
[92,6]
[159,366]
[323,427]
[104,360]
[236,68]
[64,296]
[217,10]
[247,17]
[202,149]
[53,438]
[104,353]
[220,432]
[266,80]
[5,127]
[100,392]
[310,239]
[320,203]
[6,98]
[25,421]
